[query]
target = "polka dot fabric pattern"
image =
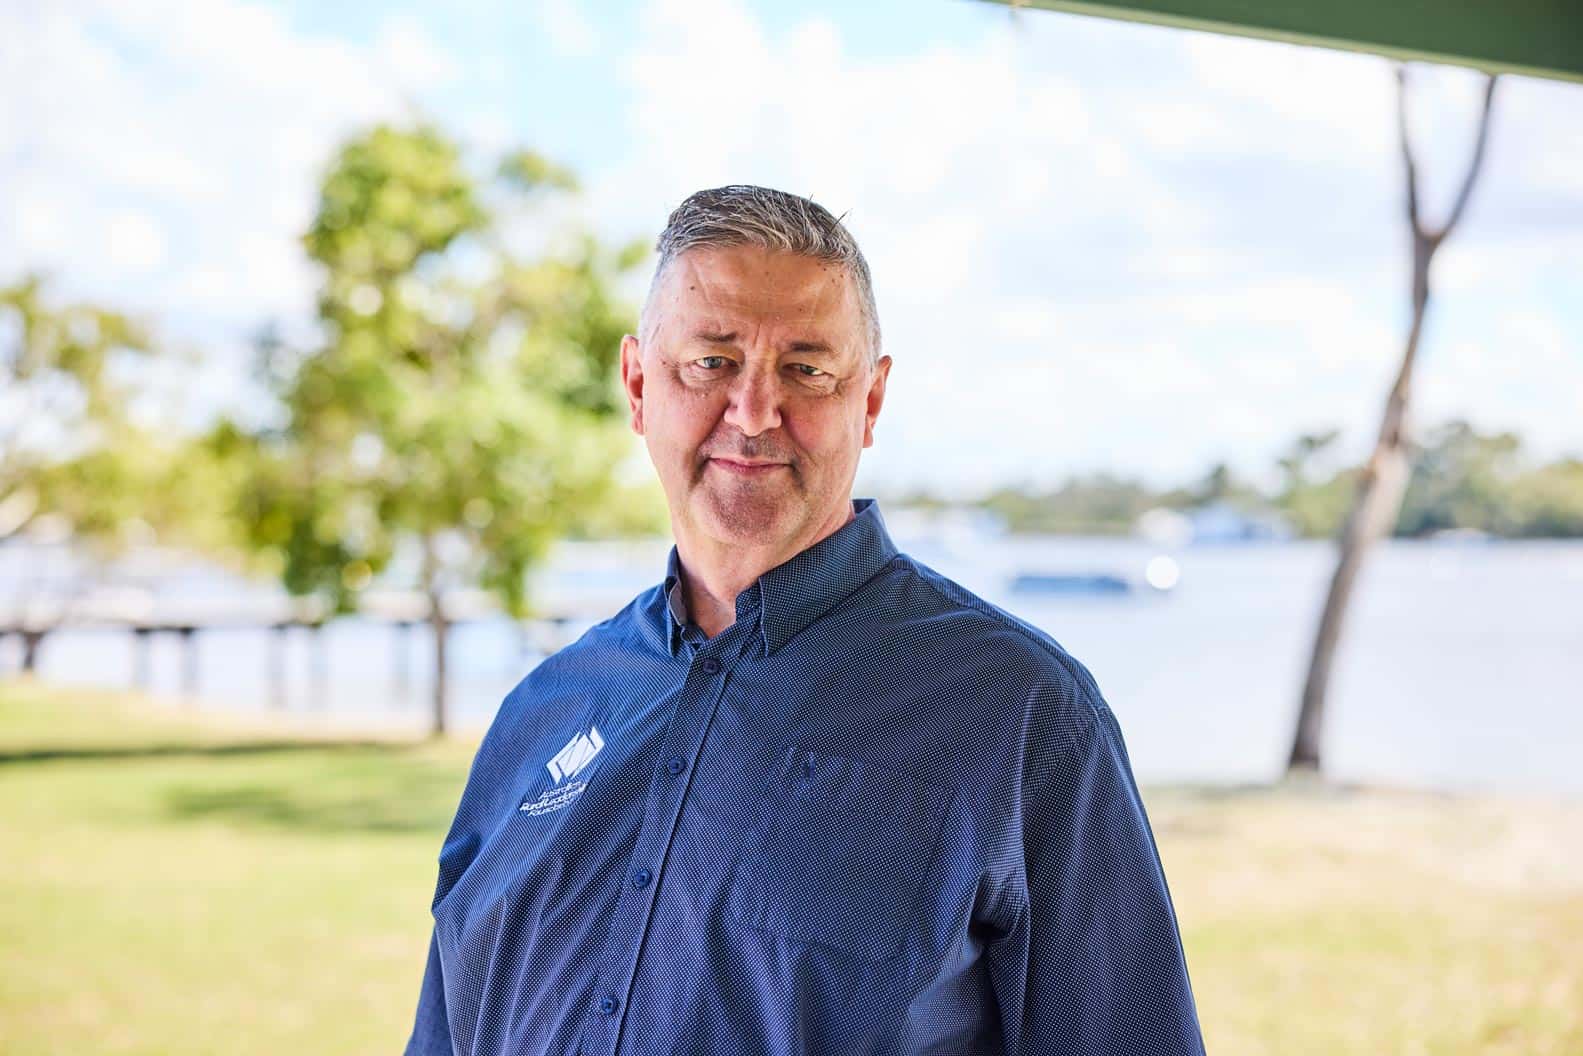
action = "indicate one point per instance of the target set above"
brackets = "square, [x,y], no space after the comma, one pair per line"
[877,816]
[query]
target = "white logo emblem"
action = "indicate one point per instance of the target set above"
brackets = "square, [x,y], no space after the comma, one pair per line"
[568,762]
[579,751]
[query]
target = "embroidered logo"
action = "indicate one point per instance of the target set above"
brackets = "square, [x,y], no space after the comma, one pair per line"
[578,753]
[567,763]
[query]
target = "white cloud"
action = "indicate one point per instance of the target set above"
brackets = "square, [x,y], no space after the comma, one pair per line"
[1525,370]
[405,50]
[1093,245]
[567,27]
[136,242]
[490,130]
[168,152]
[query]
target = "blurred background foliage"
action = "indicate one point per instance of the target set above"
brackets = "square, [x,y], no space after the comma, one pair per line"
[459,406]
[463,401]
[1462,480]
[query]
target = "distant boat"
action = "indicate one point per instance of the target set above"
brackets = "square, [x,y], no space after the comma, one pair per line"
[1053,583]
[1159,576]
[1219,522]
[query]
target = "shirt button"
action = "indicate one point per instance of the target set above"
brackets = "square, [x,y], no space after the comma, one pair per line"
[641,878]
[675,765]
[712,666]
[610,1004]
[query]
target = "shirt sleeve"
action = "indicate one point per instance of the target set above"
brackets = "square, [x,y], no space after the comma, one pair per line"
[483,797]
[1093,962]
[431,1031]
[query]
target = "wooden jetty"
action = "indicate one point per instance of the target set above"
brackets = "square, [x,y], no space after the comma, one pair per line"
[555,616]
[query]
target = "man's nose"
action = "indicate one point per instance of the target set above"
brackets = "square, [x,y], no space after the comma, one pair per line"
[755,402]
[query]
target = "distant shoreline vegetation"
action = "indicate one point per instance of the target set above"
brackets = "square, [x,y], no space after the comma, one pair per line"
[1463,483]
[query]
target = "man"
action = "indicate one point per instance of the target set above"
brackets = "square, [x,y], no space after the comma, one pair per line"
[807,796]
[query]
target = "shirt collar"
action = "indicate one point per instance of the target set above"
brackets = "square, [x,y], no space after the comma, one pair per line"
[793,594]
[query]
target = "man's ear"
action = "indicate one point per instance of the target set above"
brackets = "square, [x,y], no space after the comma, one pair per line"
[876,399]
[632,379]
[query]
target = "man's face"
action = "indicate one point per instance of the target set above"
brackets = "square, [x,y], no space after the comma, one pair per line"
[754,394]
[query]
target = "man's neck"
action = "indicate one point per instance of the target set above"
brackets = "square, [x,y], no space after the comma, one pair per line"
[714,572]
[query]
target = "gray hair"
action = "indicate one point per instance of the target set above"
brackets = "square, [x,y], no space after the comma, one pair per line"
[744,215]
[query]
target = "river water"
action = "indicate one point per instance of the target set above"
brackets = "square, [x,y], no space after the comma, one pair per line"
[1461,664]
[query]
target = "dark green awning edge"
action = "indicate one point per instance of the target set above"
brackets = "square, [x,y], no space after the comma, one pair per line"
[1537,38]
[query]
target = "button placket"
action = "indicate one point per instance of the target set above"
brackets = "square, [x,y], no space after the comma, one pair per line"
[695,711]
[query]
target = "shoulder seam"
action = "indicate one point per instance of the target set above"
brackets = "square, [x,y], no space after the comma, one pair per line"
[1090,693]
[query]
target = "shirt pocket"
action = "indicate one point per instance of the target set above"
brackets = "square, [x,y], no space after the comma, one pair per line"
[844,855]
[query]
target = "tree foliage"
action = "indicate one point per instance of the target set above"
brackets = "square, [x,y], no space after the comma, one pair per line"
[462,409]
[1460,480]
[1464,480]
[87,457]
[1099,503]
[1314,506]
[75,456]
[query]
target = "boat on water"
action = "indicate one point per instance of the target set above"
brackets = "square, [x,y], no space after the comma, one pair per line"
[964,538]
[1058,583]
[1160,576]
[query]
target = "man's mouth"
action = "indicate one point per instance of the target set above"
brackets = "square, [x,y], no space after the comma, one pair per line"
[746,468]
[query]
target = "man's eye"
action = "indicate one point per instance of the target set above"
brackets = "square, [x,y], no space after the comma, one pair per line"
[808,370]
[712,362]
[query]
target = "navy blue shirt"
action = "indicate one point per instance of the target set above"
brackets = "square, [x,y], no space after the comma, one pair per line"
[876,815]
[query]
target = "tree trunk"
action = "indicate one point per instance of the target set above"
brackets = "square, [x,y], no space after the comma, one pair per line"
[1382,482]
[276,662]
[142,665]
[439,625]
[1375,505]
[31,640]
[437,621]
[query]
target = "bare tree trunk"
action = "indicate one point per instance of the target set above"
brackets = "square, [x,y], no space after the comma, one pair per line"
[439,625]
[1377,500]
[31,640]
[318,667]
[276,665]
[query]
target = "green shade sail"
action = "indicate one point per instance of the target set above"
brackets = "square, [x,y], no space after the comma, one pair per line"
[1540,38]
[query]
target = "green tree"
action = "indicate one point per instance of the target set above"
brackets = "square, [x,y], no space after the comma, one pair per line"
[1461,480]
[462,408]
[1220,485]
[1315,507]
[60,396]
[1096,503]
[1547,502]
[82,456]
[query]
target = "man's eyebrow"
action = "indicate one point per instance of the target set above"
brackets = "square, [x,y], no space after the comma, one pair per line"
[809,346]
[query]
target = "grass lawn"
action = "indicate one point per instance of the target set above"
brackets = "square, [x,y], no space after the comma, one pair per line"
[170,887]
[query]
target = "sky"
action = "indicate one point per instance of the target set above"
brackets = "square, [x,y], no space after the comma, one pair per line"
[1095,245]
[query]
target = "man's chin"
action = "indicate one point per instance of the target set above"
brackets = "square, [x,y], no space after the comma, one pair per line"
[751,513]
